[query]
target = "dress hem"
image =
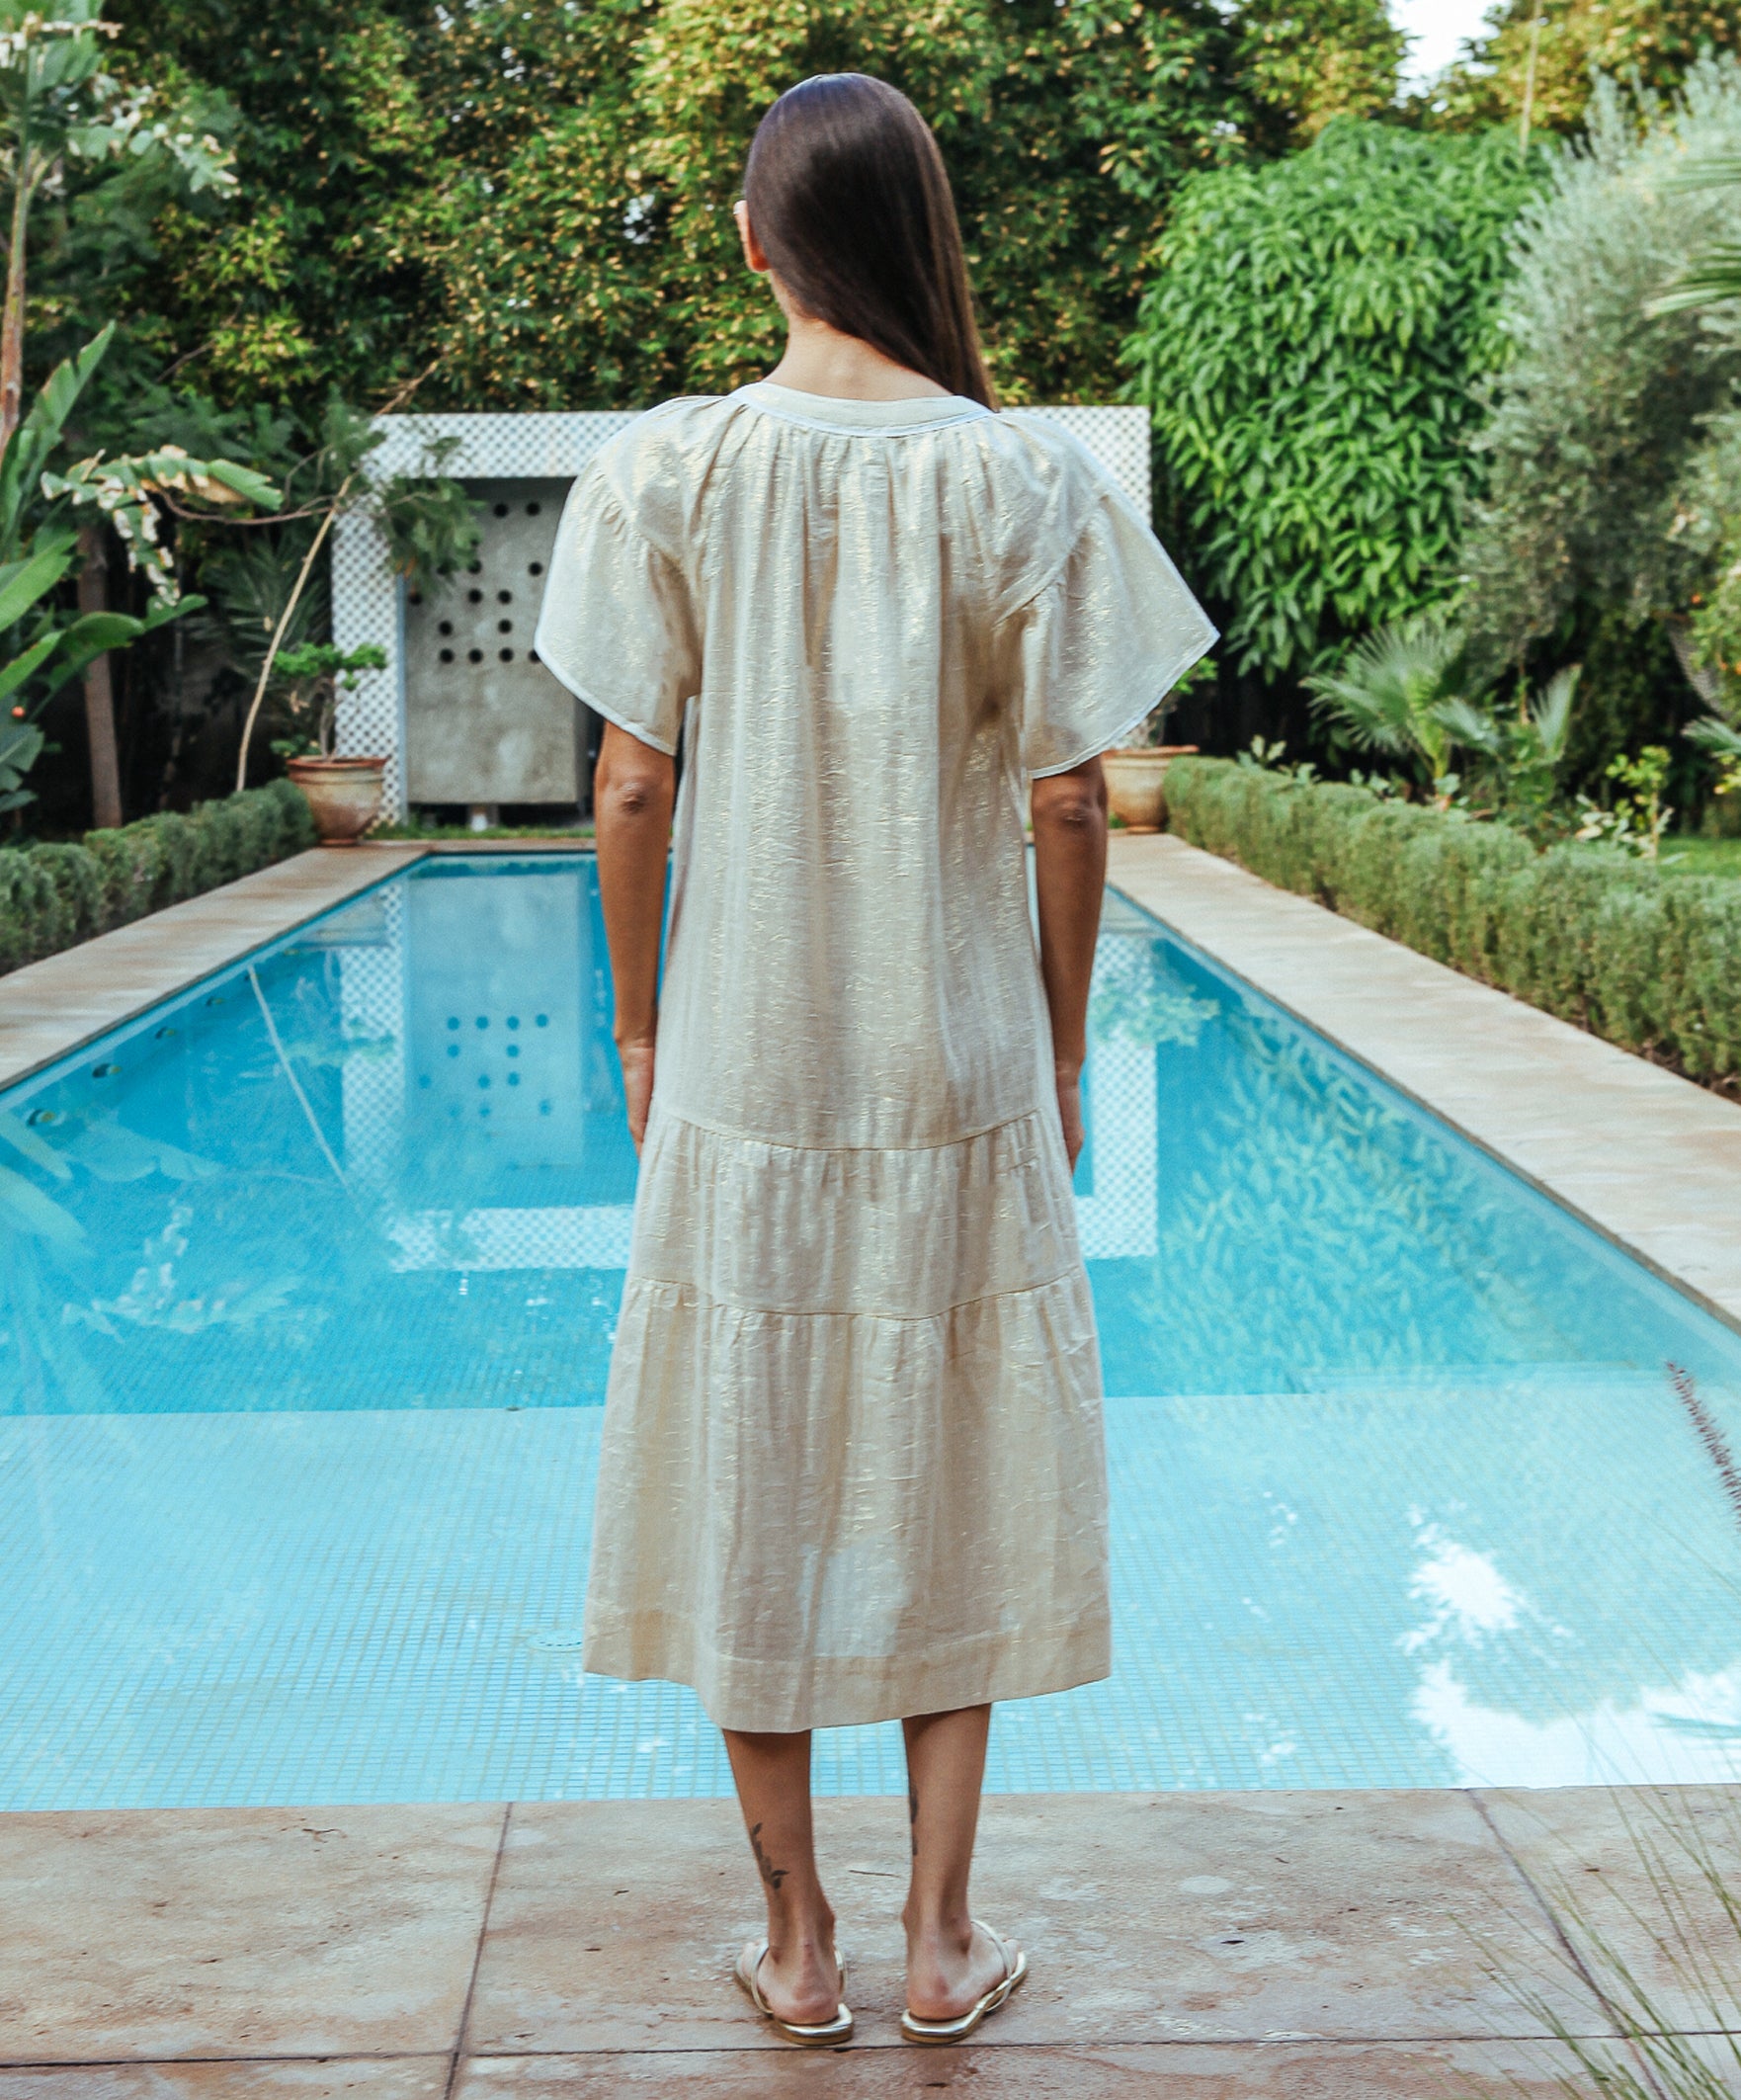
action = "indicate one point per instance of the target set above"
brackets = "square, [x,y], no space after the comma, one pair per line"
[847,1690]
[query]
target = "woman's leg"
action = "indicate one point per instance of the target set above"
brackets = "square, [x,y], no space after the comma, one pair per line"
[949,1966]
[798,1976]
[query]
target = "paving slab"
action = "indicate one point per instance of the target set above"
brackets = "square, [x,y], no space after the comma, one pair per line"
[239,1932]
[1452,2070]
[1147,1917]
[1646,1883]
[1649,1159]
[390,2079]
[52,1007]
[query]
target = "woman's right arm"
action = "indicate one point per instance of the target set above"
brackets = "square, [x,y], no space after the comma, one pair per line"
[1069,875]
[633,789]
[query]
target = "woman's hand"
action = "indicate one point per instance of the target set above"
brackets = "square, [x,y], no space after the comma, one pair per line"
[1069,1078]
[637,1086]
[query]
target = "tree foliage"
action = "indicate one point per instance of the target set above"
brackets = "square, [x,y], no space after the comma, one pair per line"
[1600,435]
[1650,44]
[1306,348]
[538,194]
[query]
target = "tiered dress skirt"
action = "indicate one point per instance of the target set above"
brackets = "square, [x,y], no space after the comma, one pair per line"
[851,1463]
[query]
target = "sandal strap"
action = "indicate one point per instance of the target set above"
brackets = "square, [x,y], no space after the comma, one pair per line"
[1006,1953]
[762,2005]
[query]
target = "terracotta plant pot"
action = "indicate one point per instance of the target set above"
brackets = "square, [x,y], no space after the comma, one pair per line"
[344,794]
[1136,783]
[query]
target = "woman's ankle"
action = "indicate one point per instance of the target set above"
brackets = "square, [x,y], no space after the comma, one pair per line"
[799,1930]
[943,1929]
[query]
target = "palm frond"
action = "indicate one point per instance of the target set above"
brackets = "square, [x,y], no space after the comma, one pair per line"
[1715,734]
[1716,274]
[1469,725]
[1386,687]
[1706,171]
[1551,712]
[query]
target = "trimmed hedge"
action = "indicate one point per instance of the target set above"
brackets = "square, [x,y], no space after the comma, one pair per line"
[1584,932]
[54,896]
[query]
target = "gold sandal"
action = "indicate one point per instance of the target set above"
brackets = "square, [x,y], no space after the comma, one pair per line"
[935,2032]
[824,2033]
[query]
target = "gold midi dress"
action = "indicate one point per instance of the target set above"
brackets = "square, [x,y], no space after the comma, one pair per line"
[852,1461]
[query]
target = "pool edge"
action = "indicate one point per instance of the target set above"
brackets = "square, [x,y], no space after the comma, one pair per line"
[52,1008]
[1650,1161]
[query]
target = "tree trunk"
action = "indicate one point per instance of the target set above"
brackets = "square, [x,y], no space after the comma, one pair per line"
[11,316]
[99,695]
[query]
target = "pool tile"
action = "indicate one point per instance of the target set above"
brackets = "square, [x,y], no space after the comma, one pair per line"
[323,2078]
[1196,1917]
[1632,1874]
[239,1932]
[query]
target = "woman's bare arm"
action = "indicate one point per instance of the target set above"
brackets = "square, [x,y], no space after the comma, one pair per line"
[633,789]
[1071,872]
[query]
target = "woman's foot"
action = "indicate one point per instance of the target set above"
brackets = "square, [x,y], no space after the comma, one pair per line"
[949,1971]
[799,1982]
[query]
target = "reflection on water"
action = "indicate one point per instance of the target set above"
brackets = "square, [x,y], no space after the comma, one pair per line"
[1404,1489]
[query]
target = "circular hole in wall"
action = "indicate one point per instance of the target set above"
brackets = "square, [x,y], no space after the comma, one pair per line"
[447,656]
[476,569]
[475,657]
[503,627]
[501,510]
[504,597]
[416,597]
[537,569]
[444,626]
[507,655]
[533,509]
[475,597]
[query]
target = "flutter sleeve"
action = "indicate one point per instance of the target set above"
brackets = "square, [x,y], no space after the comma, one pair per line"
[618,626]
[1107,635]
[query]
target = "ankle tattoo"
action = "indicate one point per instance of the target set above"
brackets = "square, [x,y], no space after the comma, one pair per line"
[770,1873]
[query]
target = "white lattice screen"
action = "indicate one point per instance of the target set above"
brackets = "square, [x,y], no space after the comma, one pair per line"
[369,601]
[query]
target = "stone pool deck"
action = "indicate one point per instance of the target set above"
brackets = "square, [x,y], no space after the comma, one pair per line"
[1199,1946]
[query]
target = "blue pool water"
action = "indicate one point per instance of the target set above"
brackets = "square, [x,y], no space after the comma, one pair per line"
[307,1282]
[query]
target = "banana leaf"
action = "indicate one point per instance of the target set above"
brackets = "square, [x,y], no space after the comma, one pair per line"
[22,583]
[34,439]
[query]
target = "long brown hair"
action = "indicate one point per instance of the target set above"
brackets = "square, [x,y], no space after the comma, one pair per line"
[850,201]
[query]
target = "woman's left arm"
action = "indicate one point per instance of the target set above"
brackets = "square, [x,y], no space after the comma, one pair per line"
[1069,878]
[634,790]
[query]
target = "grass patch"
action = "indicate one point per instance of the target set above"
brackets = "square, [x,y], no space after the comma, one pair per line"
[414,832]
[1694,856]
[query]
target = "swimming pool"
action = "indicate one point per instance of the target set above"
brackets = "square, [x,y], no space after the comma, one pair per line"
[306,1292]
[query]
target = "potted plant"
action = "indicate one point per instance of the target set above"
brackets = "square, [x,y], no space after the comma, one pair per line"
[344,794]
[1136,772]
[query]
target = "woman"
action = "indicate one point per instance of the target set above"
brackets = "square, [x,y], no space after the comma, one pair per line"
[852,1461]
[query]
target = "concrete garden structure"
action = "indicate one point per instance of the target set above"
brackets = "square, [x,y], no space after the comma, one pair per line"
[464,712]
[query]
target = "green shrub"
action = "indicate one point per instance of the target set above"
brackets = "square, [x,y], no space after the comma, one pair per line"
[1583,932]
[54,896]
[1306,348]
